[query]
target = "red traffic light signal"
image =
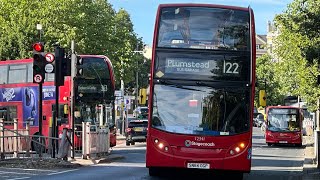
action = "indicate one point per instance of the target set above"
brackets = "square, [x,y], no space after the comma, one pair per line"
[38,47]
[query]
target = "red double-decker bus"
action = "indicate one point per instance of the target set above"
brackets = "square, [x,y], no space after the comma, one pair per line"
[19,96]
[202,88]
[284,125]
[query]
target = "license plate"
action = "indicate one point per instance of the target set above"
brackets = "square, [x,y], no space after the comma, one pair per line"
[138,129]
[283,141]
[198,165]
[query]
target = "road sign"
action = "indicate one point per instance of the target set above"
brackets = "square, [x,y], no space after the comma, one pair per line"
[38,78]
[48,68]
[49,57]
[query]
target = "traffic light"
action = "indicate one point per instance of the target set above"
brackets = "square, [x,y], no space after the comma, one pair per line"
[60,57]
[42,63]
[38,63]
[79,63]
[143,96]
[262,98]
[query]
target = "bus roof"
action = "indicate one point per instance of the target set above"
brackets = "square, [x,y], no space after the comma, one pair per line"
[282,107]
[18,61]
[204,5]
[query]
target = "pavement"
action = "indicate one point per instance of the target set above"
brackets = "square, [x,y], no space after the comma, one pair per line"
[310,168]
[107,158]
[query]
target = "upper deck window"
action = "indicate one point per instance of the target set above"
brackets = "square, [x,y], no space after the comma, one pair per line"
[204,28]
[95,68]
[17,73]
[3,74]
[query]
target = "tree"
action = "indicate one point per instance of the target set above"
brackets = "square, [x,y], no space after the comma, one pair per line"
[297,49]
[94,25]
[265,73]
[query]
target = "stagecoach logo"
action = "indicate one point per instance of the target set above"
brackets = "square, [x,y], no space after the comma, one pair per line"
[8,94]
[189,143]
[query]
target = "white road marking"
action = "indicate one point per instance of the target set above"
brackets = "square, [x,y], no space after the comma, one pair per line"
[44,170]
[119,164]
[61,172]
[6,172]
[275,168]
[19,178]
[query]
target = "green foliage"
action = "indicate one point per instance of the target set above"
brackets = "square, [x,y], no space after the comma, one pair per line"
[94,25]
[265,73]
[297,50]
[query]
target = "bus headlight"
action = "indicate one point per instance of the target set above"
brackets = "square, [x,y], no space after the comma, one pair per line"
[161,145]
[237,148]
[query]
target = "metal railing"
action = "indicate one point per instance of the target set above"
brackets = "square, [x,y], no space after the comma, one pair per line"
[91,141]
[18,142]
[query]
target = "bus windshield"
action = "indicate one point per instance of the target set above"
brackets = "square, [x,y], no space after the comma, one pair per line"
[94,85]
[200,110]
[283,120]
[204,28]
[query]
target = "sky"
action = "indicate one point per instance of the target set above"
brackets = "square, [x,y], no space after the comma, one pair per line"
[142,12]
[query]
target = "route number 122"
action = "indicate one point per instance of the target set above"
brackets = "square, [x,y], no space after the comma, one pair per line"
[231,67]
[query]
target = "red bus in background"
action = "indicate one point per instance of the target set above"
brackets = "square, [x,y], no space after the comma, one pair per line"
[202,89]
[94,94]
[284,125]
[19,95]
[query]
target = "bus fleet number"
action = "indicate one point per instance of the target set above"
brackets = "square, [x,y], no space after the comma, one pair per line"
[230,68]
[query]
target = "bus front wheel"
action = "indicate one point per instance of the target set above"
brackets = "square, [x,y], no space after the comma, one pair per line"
[299,145]
[154,171]
[235,176]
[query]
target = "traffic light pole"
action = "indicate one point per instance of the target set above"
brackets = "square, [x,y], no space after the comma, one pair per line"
[40,118]
[137,86]
[72,104]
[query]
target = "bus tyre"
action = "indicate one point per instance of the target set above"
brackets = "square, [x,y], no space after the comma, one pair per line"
[127,143]
[154,172]
[299,145]
[269,144]
[237,176]
[133,143]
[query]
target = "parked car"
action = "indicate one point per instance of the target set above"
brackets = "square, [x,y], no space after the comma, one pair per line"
[141,112]
[136,131]
[259,120]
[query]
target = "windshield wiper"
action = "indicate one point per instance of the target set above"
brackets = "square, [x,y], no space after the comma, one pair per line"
[176,85]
